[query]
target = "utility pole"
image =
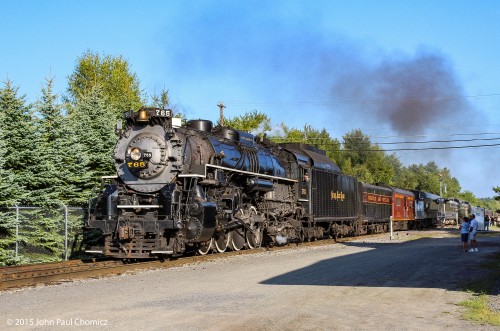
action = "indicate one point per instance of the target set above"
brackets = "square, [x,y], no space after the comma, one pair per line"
[221,118]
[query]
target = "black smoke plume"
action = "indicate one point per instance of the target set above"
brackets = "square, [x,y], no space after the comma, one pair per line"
[410,94]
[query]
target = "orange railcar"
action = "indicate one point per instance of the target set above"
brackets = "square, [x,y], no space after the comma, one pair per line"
[403,208]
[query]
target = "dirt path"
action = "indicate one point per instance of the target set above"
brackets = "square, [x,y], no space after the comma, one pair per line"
[373,284]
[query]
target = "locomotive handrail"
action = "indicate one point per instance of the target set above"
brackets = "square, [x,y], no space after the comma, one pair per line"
[252,173]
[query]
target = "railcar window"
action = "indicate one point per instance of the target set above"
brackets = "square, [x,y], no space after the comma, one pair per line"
[398,201]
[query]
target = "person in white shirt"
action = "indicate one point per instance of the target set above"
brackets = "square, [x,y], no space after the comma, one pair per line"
[472,236]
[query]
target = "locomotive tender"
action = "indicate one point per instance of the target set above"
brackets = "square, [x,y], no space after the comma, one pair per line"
[198,187]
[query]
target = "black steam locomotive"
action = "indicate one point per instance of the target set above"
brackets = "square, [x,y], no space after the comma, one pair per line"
[199,187]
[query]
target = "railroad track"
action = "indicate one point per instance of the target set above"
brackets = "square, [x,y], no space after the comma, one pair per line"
[56,272]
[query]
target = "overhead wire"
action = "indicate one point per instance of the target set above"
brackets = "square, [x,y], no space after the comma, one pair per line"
[419,149]
[400,142]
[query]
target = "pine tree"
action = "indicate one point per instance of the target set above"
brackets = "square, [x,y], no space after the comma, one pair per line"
[19,138]
[93,125]
[47,184]
[161,101]
[8,198]
[29,156]
[11,191]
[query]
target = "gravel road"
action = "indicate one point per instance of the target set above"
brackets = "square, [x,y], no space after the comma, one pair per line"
[367,284]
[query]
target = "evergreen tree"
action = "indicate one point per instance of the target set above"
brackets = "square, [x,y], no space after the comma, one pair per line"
[47,184]
[93,126]
[17,151]
[10,193]
[9,197]
[20,141]
[160,101]
[63,161]
[75,178]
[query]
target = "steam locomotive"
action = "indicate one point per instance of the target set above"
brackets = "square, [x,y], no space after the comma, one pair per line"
[200,188]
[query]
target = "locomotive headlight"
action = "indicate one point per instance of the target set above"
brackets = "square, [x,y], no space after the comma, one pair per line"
[135,154]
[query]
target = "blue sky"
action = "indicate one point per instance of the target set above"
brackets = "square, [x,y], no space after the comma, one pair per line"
[409,70]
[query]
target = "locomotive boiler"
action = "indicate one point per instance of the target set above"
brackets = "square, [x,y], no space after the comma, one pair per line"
[198,187]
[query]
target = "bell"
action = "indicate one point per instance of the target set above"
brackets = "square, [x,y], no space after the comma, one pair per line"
[143,116]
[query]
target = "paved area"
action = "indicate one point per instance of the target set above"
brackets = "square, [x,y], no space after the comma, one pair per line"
[411,283]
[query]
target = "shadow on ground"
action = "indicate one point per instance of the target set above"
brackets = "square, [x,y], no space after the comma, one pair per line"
[422,263]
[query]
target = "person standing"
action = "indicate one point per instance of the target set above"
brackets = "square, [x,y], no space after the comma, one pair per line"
[464,233]
[486,223]
[472,235]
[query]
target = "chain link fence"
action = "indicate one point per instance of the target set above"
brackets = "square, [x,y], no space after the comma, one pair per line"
[37,235]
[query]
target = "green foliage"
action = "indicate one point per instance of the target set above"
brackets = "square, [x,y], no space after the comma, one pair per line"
[48,183]
[449,183]
[254,121]
[160,101]
[19,141]
[402,177]
[317,138]
[497,191]
[357,147]
[92,124]
[41,236]
[490,203]
[10,191]
[367,161]
[431,178]
[362,173]
[65,156]
[120,87]
[478,308]
[469,197]
[7,235]
[40,233]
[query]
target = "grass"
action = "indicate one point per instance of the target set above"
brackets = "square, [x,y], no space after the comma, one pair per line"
[478,308]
